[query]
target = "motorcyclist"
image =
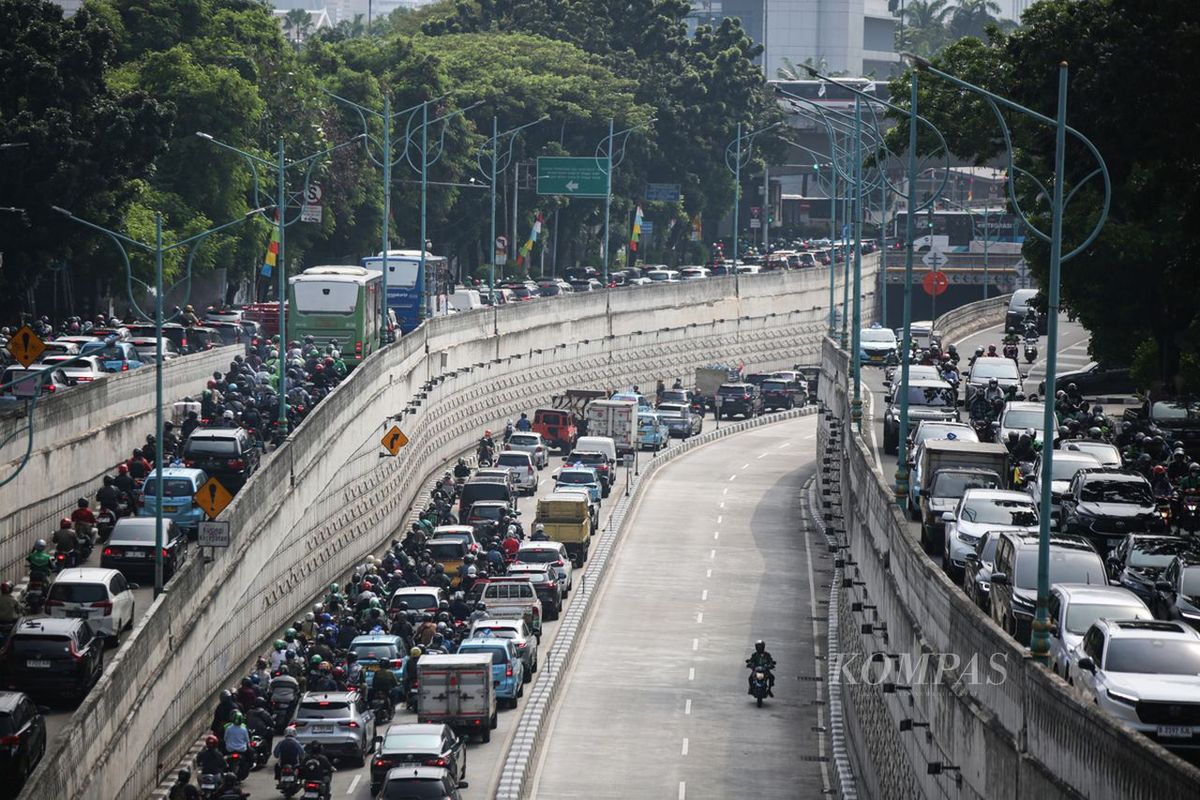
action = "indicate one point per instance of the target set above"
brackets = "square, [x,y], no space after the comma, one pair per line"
[1024,450]
[761,659]
[1190,483]
[383,687]
[410,670]
[182,789]
[260,722]
[124,482]
[508,431]
[237,735]
[210,761]
[83,514]
[138,466]
[461,470]
[288,751]
[539,533]
[992,391]
[1160,484]
[1177,467]
[231,788]
[486,447]
[316,767]
[479,613]
[39,560]
[107,496]
[64,538]
[523,424]
[10,609]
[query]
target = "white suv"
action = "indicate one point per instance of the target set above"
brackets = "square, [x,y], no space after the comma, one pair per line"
[520,464]
[101,596]
[553,556]
[1146,673]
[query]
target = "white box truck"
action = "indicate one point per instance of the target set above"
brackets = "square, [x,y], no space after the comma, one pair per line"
[616,419]
[457,690]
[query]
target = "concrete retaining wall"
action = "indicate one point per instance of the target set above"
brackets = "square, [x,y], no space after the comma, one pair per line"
[79,436]
[1013,730]
[321,503]
[972,317]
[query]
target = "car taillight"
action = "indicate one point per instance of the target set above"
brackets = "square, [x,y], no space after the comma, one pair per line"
[84,379]
[51,388]
[236,463]
[189,462]
[110,551]
[384,763]
[61,556]
[10,741]
[299,723]
[397,663]
[166,553]
[558,563]
[358,348]
[124,367]
[311,785]
[436,762]
[75,654]
[508,671]
[105,604]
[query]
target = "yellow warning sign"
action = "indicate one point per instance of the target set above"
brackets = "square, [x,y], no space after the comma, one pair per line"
[213,497]
[393,440]
[25,346]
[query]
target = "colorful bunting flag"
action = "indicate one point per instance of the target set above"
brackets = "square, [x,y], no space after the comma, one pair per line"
[527,248]
[272,250]
[637,230]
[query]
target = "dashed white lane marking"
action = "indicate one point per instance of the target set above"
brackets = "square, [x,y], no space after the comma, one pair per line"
[683,751]
[721,505]
[716,534]
[708,573]
[682,791]
[785,444]
[719,518]
[764,455]
[810,436]
[687,708]
[353,784]
[733,477]
[704,595]
[695,647]
[691,673]
[725,490]
[699,617]
[744,466]
[712,554]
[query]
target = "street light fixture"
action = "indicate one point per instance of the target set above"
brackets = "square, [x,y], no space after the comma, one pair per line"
[734,151]
[606,163]
[491,149]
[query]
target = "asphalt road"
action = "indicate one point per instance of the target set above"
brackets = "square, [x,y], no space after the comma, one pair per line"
[656,705]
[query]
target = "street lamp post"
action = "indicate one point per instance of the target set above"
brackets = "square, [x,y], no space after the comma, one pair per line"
[734,150]
[606,146]
[157,250]
[1040,639]
[491,148]
[280,168]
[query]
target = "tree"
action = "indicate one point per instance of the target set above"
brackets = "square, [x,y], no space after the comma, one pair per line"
[298,22]
[923,26]
[972,17]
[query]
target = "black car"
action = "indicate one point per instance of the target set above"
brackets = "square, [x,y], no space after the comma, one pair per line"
[1095,379]
[739,398]
[1177,592]
[780,394]
[22,739]
[1179,420]
[227,454]
[977,573]
[418,745]
[1104,504]
[131,545]
[54,657]
[420,783]
[1140,560]
[812,374]
[757,378]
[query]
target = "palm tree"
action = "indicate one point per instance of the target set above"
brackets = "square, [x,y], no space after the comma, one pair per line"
[298,22]
[972,17]
[924,28]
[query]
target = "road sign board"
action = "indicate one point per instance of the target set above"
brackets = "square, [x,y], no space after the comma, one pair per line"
[313,194]
[935,259]
[311,213]
[25,346]
[755,212]
[647,228]
[573,176]
[393,440]
[662,192]
[213,534]
[934,283]
[213,498]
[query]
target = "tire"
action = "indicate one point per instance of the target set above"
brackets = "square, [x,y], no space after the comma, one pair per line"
[520,693]
[495,722]
[486,736]
[533,670]
[759,702]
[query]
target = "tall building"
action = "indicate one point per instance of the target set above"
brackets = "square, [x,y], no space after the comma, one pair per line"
[852,36]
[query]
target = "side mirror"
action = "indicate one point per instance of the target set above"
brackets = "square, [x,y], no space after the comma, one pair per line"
[947,516]
[1000,578]
[887,382]
[887,398]
[133,587]
[1163,586]
[1088,664]
[463,784]
[971,558]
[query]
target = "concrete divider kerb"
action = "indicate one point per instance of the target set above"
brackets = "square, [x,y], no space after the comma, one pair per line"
[525,749]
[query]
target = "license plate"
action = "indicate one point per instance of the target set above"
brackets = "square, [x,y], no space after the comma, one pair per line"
[1176,731]
[371,668]
[37,664]
[170,509]
[322,729]
[134,554]
[77,612]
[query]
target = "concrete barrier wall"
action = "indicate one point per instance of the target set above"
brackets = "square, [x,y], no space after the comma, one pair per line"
[1013,730]
[972,317]
[79,436]
[326,499]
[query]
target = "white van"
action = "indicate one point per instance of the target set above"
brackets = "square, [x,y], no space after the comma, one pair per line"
[465,300]
[603,444]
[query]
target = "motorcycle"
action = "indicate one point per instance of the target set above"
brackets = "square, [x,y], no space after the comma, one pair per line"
[106,520]
[1189,512]
[210,786]
[411,701]
[289,780]
[35,592]
[240,764]
[262,753]
[282,712]
[83,541]
[63,559]
[384,711]
[1163,506]
[1031,352]
[1010,350]
[759,686]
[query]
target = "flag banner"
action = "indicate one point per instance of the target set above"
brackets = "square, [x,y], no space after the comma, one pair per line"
[637,230]
[527,248]
[272,250]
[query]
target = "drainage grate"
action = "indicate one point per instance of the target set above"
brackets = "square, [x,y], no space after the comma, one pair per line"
[815,759]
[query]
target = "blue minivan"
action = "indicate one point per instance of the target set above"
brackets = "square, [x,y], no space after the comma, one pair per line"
[653,433]
[116,356]
[180,485]
[508,671]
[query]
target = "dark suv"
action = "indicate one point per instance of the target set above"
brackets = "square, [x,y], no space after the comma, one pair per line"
[22,738]
[739,398]
[227,454]
[781,394]
[51,656]
[1104,505]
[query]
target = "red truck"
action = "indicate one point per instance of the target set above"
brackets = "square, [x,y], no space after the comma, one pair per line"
[564,422]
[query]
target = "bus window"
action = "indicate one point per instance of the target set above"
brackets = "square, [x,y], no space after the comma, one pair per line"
[326,297]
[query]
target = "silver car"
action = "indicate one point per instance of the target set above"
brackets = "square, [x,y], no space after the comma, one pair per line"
[340,721]
[515,630]
[531,443]
[550,556]
[1074,607]
[978,511]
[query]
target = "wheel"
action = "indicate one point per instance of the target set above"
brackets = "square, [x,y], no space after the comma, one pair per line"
[520,693]
[534,668]
[495,721]
[527,676]
[486,736]
[759,702]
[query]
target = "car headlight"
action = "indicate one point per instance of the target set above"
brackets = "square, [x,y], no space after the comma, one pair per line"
[1125,699]
[967,538]
[1194,616]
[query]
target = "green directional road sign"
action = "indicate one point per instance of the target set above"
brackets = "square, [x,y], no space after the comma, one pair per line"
[573,176]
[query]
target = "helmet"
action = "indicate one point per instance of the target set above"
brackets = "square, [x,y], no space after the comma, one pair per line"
[210,741]
[760,646]
[487,433]
[6,587]
[1159,469]
[1178,451]
[65,522]
[316,660]
[1193,467]
[237,718]
[1094,432]
[415,652]
[289,634]
[539,528]
[185,775]
[279,644]
[333,587]
[290,733]
[40,544]
[82,502]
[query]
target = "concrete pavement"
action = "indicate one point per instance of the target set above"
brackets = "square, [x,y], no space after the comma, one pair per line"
[656,702]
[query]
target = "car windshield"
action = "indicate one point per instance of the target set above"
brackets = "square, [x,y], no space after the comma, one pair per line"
[655,275]
[1066,566]
[936,396]
[732,389]
[575,477]
[414,789]
[101,350]
[955,484]
[1156,552]
[1191,582]
[1153,656]
[675,395]
[1025,418]
[1000,512]
[416,602]
[499,633]
[212,447]
[324,709]
[499,654]
[1172,411]
[413,742]
[953,432]
[537,556]
[446,551]
[877,336]
[486,512]
[373,651]
[1116,491]
[1065,469]
[1000,368]
[523,440]
[78,592]
[513,460]
[172,487]
[1080,616]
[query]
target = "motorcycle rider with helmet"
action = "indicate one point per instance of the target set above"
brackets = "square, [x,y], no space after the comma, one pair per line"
[182,789]
[10,609]
[316,767]
[210,760]
[39,560]
[288,751]
[761,659]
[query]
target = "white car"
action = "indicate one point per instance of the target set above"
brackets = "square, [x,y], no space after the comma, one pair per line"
[520,463]
[1066,464]
[531,443]
[978,511]
[1075,606]
[1019,416]
[693,273]
[82,369]
[101,596]
[1146,673]
[663,275]
[550,555]
[146,347]
[60,347]
[1107,454]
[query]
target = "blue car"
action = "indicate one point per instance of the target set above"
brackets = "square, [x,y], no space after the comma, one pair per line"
[116,356]
[180,485]
[376,651]
[643,403]
[508,671]
[579,475]
[652,432]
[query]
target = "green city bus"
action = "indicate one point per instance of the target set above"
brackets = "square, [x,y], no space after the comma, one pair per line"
[341,303]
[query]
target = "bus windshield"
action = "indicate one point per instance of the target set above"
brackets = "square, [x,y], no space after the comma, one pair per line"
[326,297]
